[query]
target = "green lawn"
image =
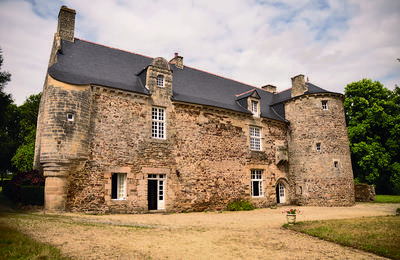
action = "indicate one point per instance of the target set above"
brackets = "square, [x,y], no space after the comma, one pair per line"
[387,199]
[379,235]
[15,245]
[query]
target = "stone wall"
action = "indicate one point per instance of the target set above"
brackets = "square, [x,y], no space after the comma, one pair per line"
[205,157]
[322,177]
[364,192]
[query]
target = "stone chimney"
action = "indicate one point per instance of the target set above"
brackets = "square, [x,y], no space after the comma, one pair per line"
[178,61]
[66,23]
[269,88]
[298,86]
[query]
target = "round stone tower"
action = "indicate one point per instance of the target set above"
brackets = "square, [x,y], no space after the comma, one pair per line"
[320,169]
[63,124]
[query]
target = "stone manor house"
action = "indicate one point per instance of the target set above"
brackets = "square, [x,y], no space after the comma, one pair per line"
[120,132]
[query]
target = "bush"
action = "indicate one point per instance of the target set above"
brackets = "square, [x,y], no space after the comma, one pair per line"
[32,195]
[13,187]
[240,205]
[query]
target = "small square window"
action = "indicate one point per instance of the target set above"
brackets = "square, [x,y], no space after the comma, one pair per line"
[70,117]
[160,80]
[324,105]
[318,147]
[336,164]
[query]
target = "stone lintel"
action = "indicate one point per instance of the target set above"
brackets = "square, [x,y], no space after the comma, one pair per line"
[148,170]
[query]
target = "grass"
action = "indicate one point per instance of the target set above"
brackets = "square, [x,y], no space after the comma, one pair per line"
[378,235]
[387,199]
[15,245]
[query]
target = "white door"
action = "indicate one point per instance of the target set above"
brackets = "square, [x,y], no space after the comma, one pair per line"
[281,188]
[161,193]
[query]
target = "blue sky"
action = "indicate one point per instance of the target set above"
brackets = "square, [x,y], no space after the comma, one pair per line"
[258,42]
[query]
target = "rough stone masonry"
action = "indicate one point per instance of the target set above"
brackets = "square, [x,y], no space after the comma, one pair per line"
[119,132]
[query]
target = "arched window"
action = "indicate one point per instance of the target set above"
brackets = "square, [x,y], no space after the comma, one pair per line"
[160,80]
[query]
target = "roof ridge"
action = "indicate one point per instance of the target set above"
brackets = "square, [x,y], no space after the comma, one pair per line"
[220,76]
[106,46]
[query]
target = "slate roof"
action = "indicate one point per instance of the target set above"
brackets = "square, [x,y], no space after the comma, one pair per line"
[82,63]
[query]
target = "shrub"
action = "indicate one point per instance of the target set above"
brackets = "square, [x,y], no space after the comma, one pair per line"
[32,195]
[31,178]
[240,205]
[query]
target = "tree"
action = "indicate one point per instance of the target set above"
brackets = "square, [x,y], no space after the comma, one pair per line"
[8,123]
[373,119]
[28,113]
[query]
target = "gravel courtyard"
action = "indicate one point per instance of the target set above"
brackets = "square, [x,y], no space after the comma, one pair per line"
[207,235]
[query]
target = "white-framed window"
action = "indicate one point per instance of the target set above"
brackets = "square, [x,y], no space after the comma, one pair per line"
[254,107]
[160,80]
[255,138]
[158,122]
[324,104]
[70,117]
[256,183]
[118,186]
[318,147]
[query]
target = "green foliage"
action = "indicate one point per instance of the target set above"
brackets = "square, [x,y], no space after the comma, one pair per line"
[240,205]
[379,235]
[15,245]
[387,199]
[32,195]
[13,188]
[373,119]
[8,122]
[23,158]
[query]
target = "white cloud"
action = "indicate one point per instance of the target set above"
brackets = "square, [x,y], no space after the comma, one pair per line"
[256,42]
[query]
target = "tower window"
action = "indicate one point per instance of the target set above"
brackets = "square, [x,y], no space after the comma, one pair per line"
[324,105]
[160,80]
[336,164]
[318,147]
[70,117]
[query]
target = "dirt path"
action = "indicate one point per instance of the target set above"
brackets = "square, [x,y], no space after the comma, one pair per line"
[229,235]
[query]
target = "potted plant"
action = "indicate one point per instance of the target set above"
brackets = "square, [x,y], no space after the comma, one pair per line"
[291,215]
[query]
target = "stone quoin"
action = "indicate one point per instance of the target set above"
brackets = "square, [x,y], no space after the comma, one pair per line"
[120,132]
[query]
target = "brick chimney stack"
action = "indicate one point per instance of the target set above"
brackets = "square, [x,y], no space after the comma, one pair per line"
[178,61]
[298,86]
[66,23]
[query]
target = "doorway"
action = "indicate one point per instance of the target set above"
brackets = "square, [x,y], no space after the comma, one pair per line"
[155,191]
[280,193]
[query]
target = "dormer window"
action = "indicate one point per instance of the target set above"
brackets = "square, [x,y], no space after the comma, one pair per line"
[160,80]
[254,107]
